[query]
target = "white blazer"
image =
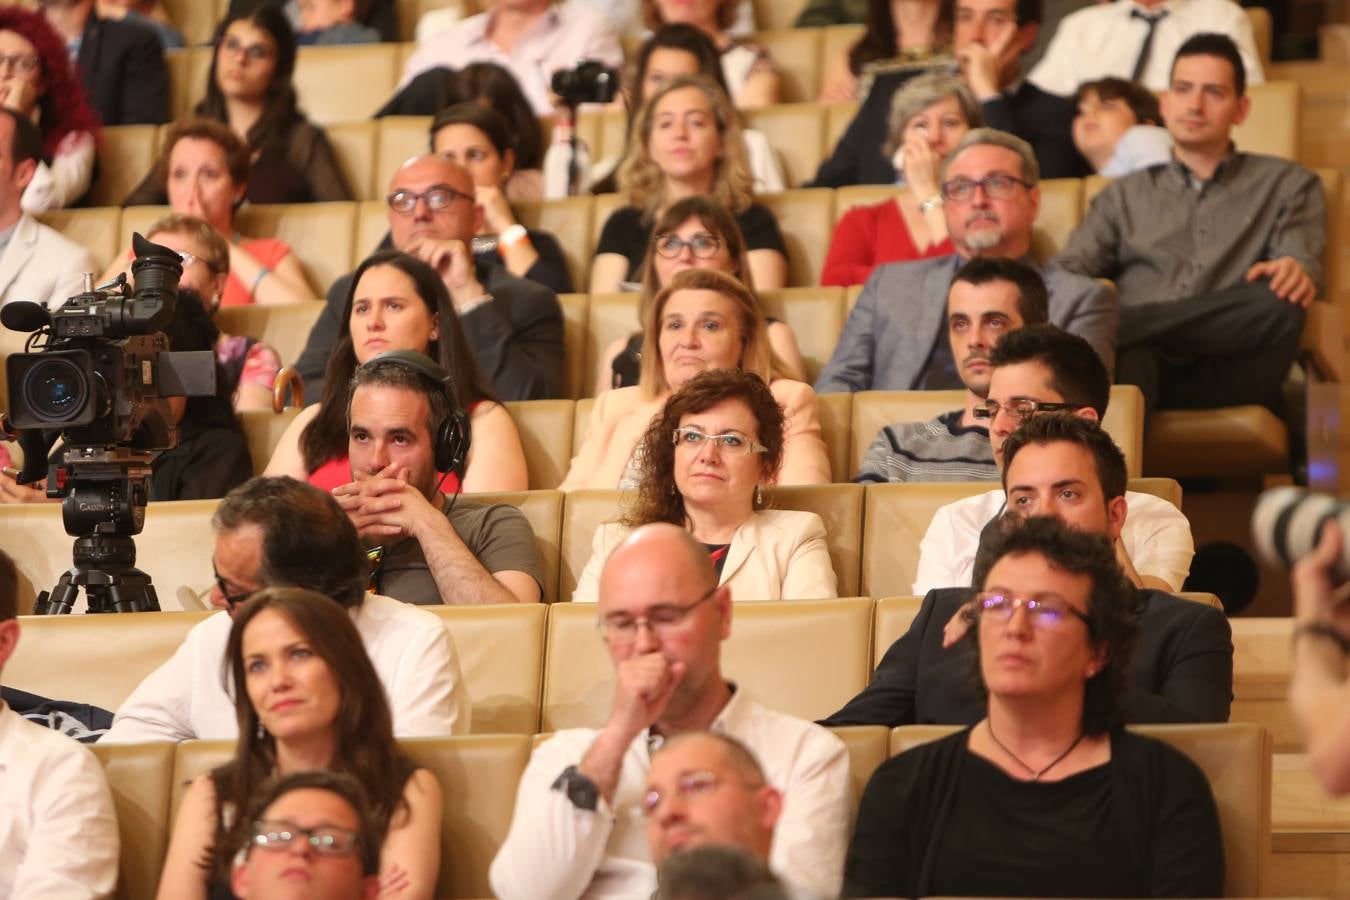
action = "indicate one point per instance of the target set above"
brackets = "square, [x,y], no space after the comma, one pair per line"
[778,554]
[42,264]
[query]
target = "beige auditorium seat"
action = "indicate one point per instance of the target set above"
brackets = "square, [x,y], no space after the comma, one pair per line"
[263,430]
[140,777]
[346,83]
[816,316]
[95,229]
[126,154]
[576,310]
[796,131]
[320,234]
[501,656]
[806,217]
[868,747]
[840,507]
[184,89]
[612,317]
[398,138]
[193,758]
[605,133]
[569,220]
[372,225]
[545,428]
[544,510]
[837,39]
[196,19]
[1262,668]
[583,512]
[777,14]
[890,619]
[845,198]
[1060,213]
[354,144]
[837,120]
[581,420]
[94,659]
[836,412]
[796,53]
[284,326]
[1272,126]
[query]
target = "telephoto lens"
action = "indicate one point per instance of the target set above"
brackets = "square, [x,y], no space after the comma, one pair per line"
[1287,524]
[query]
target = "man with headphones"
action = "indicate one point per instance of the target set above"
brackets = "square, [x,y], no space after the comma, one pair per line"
[404,429]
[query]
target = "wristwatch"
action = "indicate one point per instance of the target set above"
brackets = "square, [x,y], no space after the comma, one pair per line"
[931,203]
[510,236]
[578,788]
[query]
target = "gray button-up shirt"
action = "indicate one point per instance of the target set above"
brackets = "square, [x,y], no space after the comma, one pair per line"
[1161,234]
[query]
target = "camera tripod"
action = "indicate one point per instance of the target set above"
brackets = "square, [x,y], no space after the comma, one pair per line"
[105,566]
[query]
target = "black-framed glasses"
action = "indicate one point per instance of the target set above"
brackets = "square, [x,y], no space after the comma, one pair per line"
[437,198]
[327,840]
[23,63]
[702,245]
[621,629]
[252,52]
[730,442]
[1020,409]
[997,186]
[1043,612]
[231,600]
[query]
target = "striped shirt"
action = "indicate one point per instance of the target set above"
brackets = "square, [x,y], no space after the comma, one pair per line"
[940,449]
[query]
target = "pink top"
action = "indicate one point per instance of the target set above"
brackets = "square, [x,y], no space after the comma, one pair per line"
[269,252]
[868,236]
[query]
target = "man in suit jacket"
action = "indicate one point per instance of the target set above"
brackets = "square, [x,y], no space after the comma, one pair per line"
[121,64]
[893,339]
[990,37]
[1061,465]
[36,262]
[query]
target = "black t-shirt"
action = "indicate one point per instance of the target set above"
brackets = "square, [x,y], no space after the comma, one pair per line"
[626,234]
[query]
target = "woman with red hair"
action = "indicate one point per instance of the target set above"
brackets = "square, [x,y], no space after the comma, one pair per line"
[37,80]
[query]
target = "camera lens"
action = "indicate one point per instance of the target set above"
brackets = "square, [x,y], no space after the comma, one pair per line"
[56,390]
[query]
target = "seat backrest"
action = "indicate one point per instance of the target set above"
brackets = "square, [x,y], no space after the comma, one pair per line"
[399,138]
[840,507]
[184,87]
[576,310]
[816,317]
[545,428]
[126,153]
[836,413]
[1124,421]
[845,198]
[196,19]
[806,218]
[796,53]
[345,83]
[874,410]
[1272,125]
[1262,667]
[606,133]
[835,40]
[605,204]
[868,747]
[583,513]
[263,430]
[796,131]
[95,229]
[897,516]
[612,317]
[1261,31]
[192,758]
[1168,489]
[372,224]
[839,116]
[578,674]
[777,14]
[543,510]
[890,619]
[501,656]
[581,420]
[1061,211]
[569,220]
[354,145]
[285,327]
[322,236]
[140,777]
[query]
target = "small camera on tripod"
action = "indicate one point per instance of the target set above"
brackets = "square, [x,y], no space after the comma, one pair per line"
[588,82]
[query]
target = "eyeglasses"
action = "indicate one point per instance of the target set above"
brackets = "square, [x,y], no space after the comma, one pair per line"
[689,786]
[703,246]
[24,63]
[252,52]
[1047,613]
[327,840]
[231,600]
[997,187]
[438,198]
[732,443]
[621,629]
[1021,409]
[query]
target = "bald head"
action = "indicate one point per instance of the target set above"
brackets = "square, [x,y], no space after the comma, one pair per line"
[458,221]
[660,547]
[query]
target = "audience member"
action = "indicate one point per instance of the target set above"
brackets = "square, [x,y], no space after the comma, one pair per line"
[892,338]
[513,326]
[1043,369]
[58,828]
[480,140]
[989,39]
[397,302]
[328,23]
[146,13]
[121,63]
[662,618]
[532,39]
[278,532]
[312,836]
[490,85]
[929,117]
[751,78]
[1047,793]
[834,12]
[686,140]
[40,83]
[432,549]
[1137,39]
[1117,128]
[627,17]
[309,698]
[695,232]
[910,37]
[702,465]
[1215,254]
[203,171]
[37,262]
[988,298]
[701,320]
[381,15]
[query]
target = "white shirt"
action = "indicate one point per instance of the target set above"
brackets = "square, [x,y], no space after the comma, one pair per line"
[1104,39]
[58,830]
[1156,535]
[564,35]
[558,851]
[411,650]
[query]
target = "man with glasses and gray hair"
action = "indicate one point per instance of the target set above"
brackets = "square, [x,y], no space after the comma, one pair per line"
[893,337]
[578,828]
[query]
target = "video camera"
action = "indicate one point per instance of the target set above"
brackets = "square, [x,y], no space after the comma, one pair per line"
[588,82]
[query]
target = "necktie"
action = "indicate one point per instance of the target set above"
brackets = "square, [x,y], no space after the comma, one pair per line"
[1147,47]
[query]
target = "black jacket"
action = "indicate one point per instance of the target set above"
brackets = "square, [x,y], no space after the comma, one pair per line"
[122,67]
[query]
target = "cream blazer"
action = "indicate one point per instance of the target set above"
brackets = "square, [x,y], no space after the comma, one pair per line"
[41,264]
[778,554]
[620,418]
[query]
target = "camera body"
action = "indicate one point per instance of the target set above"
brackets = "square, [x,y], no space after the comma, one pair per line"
[588,82]
[1287,524]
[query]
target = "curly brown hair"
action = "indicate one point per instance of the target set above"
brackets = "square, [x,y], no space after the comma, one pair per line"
[657,500]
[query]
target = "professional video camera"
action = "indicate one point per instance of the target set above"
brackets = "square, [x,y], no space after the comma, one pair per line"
[100,381]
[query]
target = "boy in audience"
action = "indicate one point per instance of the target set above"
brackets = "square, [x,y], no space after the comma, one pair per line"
[1035,370]
[58,828]
[279,532]
[892,340]
[987,299]
[1062,465]
[431,549]
[1117,127]
[327,23]
[121,63]
[1215,254]
[663,617]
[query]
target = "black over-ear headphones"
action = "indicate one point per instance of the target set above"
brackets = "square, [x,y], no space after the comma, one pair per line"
[450,440]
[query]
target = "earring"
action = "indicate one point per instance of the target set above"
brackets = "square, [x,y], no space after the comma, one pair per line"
[673,489]
[759,495]
[262,732]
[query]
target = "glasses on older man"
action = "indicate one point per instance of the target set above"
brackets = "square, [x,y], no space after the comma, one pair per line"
[1020,409]
[997,186]
[689,786]
[1043,612]
[621,629]
[730,442]
[437,199]
[327,840]
[702,245]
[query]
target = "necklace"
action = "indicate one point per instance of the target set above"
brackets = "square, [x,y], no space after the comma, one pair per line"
[1035,774]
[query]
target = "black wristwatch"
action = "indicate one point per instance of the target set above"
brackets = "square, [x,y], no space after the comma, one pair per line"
[579,789]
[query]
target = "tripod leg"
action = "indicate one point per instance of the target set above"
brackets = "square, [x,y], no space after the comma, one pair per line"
[61,599]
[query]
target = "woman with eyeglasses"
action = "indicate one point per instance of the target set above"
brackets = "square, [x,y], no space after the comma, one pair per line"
[306,697]
[703,463]
[703,319]
[693,233]
[1048,795]
[929,116]
[398,302]
[37,81]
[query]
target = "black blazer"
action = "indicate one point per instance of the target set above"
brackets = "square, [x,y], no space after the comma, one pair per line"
[122,67]
[1182,669]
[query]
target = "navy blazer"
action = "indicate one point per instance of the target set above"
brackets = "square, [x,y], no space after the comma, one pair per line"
[122,67]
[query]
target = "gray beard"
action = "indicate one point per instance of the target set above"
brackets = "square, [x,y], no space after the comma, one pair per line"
[986,239]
